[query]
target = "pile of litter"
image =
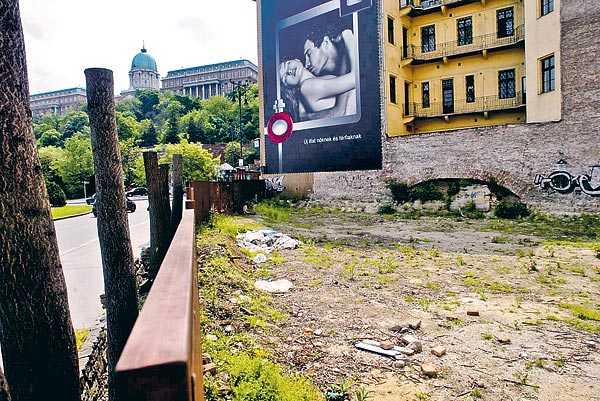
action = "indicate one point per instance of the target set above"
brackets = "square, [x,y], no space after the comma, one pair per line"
[266,241]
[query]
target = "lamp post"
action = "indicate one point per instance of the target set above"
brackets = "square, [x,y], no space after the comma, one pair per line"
[239,89]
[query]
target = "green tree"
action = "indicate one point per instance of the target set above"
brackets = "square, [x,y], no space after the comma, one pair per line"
[56,195]
[130,153]
[50,137]
[46,122]
[149,136]
[149,99]
[127,126]
[130,106]
[77,164]
[198,163]
[74,121]
[174,110]
[50,157]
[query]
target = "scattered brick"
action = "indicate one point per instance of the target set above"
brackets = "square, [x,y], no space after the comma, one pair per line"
[438,351]
[428,369]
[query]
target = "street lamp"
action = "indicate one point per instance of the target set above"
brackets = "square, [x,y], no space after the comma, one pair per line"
[239,90]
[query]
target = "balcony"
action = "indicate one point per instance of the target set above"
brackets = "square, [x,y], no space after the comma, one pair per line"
[453,49]
[480,105]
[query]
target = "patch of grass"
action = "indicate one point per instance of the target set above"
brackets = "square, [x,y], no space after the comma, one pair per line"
[81,336]
[487,336]
[273,213]
[582,312]
[70,210]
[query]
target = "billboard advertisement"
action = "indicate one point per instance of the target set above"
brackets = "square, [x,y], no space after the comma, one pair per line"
[321,85]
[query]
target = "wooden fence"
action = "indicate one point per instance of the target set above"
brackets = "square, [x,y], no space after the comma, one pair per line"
[162,360]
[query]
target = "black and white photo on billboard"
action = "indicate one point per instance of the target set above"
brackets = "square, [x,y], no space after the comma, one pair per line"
[317,63]
[321,66]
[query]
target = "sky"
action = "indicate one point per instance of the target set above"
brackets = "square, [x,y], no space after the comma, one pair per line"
[64,37]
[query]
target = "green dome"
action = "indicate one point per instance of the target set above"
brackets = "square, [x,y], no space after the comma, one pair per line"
[144,60]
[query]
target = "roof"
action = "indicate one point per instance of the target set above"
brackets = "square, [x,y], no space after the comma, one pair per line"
[143,60]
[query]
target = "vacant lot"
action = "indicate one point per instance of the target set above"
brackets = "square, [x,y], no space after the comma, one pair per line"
[516,305]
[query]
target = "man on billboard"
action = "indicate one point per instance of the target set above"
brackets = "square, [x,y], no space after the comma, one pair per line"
[325,87]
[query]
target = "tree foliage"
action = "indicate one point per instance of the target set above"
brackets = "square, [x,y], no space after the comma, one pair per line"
[150,118]
[198,163]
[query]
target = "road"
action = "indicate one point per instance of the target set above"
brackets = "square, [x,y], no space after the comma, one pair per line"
[82,265]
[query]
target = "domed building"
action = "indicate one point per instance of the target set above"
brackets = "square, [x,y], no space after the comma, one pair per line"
[143,73]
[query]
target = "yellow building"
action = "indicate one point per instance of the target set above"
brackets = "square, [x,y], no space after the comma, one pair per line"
[452,64]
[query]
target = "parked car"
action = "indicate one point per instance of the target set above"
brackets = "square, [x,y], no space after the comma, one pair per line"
[130,207]
[138,191]
[90,200]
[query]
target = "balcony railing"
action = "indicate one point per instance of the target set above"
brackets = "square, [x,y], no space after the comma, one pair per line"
[424,4]
[479,43]
[480,104]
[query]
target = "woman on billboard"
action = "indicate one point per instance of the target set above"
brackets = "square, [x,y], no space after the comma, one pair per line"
[313,97]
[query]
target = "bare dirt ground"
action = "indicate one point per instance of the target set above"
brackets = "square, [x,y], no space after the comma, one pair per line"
[357,276]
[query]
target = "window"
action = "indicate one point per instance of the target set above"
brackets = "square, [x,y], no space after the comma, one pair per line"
[547,7]
[470,87]
[506,84]
[390,30]
[448,96]
[504,20]
[393,89]
[425,95]
[548,74]
[465,31]
[428,38]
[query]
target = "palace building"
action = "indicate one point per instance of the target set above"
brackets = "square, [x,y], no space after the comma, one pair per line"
[57,102]
[210,80]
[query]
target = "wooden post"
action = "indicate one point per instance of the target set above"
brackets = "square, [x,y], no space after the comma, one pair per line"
[113,228]
[158,199]
[177,203]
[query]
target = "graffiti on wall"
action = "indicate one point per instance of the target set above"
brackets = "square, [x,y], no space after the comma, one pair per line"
[275,184]
[564,182]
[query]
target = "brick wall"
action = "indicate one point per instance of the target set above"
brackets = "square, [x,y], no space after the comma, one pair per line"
[510,154]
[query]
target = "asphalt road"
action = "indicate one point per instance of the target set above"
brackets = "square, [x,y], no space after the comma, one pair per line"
[82,264]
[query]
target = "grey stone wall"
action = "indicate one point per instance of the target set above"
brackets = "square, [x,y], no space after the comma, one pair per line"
[510,154]
[93,365]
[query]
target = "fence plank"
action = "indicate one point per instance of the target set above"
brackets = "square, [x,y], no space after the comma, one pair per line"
[162,359]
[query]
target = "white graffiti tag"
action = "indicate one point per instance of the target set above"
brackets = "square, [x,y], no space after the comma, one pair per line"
[563,182]
[275,184]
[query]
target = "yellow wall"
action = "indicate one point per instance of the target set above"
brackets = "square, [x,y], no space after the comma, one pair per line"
[542,39]
[484,66]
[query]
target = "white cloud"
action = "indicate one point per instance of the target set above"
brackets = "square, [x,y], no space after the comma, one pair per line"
[64,37]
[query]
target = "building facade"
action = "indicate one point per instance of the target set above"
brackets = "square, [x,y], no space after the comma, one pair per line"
[143,73]
[210,80]
[57,102]
[454,64]
[499,91]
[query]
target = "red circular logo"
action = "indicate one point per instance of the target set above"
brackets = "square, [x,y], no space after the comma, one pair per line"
[280,127]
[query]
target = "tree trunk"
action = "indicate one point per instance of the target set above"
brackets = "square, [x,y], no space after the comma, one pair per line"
[36,334]
[177,203]
[158,199]
[4,395]
[113,228]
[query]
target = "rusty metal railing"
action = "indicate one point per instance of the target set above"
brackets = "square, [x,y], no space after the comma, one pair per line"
[162,360]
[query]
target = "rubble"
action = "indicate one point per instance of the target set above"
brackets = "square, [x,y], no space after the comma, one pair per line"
[265,241]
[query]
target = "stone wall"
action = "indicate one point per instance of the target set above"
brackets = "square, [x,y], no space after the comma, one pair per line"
[512,155]
[93,365]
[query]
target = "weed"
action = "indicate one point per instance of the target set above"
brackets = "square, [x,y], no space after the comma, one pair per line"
[582,312]
[433,286]
[425,304]
[81,336]
[539,363]
[560,362]
[487,336]
[363,394]
[315,283]
[477,393]
[421,397]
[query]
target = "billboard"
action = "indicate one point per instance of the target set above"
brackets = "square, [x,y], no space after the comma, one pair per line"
[321,85]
